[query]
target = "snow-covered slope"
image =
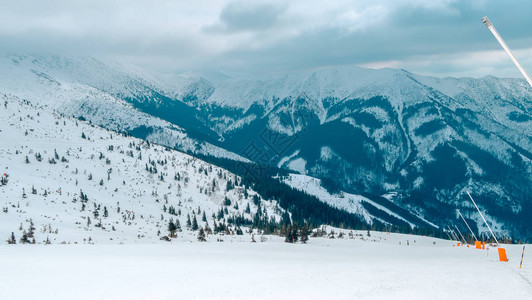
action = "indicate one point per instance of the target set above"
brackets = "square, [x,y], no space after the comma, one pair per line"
[78,183]
[376,210]
[342,200]
[104,93]
[382,266]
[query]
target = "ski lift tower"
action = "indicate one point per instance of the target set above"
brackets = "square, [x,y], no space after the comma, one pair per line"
[486,21]
[490,26]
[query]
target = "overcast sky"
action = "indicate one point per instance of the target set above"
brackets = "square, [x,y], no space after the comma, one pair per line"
[434,37]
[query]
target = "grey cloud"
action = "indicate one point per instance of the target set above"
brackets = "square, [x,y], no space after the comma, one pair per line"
[265,37]
[245,16]
[408,33]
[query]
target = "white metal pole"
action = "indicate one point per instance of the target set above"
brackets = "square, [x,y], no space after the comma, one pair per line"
[467,225]
[450,238]
[465,242]
[482,217]
[507,49]
[453,234]
[449,232]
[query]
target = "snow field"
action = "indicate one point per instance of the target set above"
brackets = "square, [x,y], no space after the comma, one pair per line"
[323,269]
[112,171]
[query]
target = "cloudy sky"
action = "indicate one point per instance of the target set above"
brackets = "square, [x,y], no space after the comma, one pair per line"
[434,37]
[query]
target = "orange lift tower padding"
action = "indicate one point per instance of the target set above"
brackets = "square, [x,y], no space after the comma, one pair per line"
[502,254]
[478,245]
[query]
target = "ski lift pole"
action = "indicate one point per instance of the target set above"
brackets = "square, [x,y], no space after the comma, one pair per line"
[465,242]
[450,238]
[452,233]
[455,235]
[503,44]
[523,254]
[467,226]
[485,222]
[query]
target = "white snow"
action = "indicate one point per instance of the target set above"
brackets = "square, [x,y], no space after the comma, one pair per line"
[283,160]
[346,201]
[88,87]
[326,153]
[375,267]
[131,262]
[298,165]
[137,200]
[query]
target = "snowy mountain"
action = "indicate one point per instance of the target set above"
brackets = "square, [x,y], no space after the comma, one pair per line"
[105,94]
[426,140]
[423,140]
[73,182]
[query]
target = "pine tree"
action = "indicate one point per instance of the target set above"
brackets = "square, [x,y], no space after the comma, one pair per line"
[177,225]
[229,185]
[172,228]
[24,239]
[194,223]
[201,235]
[207,229]
[12,239]
[303,233]
[31,229]
[256,199]
[291,235]
[189,224]
[239,231]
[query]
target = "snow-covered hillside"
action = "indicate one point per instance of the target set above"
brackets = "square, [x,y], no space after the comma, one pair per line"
[78,183]
[341,200]
[97,91]
[359,205]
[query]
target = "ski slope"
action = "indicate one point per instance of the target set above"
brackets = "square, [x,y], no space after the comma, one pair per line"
[375,267]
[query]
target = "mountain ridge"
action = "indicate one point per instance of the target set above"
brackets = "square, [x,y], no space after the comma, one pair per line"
[427,139]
